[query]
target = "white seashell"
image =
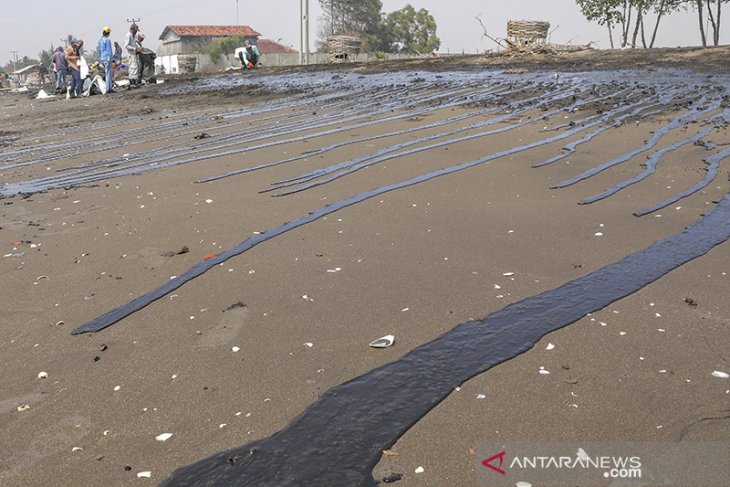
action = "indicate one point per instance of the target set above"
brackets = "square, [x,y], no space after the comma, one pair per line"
[420,470]
[720,375]
[23,407]
[383,342]
[163,437]
[144,475]
[523,484]
[116,388]
[481,396]
[508,274]
[209,201]
[599,234]
[309,344]
[550,346]
[76,448]
[42,375]
[236,349]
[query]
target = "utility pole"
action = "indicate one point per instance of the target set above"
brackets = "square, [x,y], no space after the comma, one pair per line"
[15,60]
[304,32]
[236,12]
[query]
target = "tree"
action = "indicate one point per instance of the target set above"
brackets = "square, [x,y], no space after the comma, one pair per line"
[629,15]
[351,17]
[410,31]
[604,12]
[225,46]
[45,56]
[714,18]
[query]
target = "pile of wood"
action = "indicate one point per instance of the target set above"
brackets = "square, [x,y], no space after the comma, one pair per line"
[342,49]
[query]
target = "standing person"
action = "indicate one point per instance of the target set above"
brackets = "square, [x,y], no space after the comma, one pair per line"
[42,73]
[117,53]
[133,50]
[72,59]
[60,67]
[105,53]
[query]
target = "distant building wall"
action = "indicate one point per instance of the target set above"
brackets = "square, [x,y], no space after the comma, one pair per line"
[205,63]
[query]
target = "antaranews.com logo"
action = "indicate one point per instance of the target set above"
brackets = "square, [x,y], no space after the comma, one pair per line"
[598,464]
[612,467]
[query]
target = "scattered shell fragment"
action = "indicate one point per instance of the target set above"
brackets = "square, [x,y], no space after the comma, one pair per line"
[420,470]
[163,437]
[390,453]
[481,396]
[116,388]
[144,475]
[23,407]
[542,371]
[720,375]
[309,344]
[383,342]
[550,346]
[42,375]
[76,448]
[235,349]
[508,274]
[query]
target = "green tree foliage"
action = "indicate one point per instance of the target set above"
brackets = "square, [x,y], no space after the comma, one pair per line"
[224,47]
[407,30]
[351,17]
[411,32]
[45,56]
[629,15]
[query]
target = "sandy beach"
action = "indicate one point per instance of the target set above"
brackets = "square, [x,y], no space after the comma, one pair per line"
[102,200]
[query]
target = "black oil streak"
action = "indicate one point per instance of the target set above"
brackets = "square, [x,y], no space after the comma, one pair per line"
[340,438]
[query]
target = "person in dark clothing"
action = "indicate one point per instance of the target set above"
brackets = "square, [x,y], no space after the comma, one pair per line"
[60,67]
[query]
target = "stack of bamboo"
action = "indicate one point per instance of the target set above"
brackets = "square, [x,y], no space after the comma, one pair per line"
[342,49]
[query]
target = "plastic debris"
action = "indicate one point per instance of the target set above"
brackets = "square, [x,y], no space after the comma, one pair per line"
[720,375]
[163,437]
[383,342]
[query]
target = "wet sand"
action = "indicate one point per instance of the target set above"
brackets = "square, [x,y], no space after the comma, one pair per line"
[301,308]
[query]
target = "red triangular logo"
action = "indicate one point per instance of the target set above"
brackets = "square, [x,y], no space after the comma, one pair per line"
[488,463]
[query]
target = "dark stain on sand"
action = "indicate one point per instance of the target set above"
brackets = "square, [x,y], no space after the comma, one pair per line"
[339,439]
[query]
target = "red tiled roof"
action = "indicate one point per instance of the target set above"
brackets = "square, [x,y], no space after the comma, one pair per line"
[210,31]
[270,47]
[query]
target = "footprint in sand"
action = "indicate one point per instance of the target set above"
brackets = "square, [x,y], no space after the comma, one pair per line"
[227,329]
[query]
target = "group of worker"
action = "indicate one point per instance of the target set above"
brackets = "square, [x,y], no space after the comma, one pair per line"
[65,62]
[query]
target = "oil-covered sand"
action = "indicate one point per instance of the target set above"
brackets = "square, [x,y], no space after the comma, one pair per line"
[414,207]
